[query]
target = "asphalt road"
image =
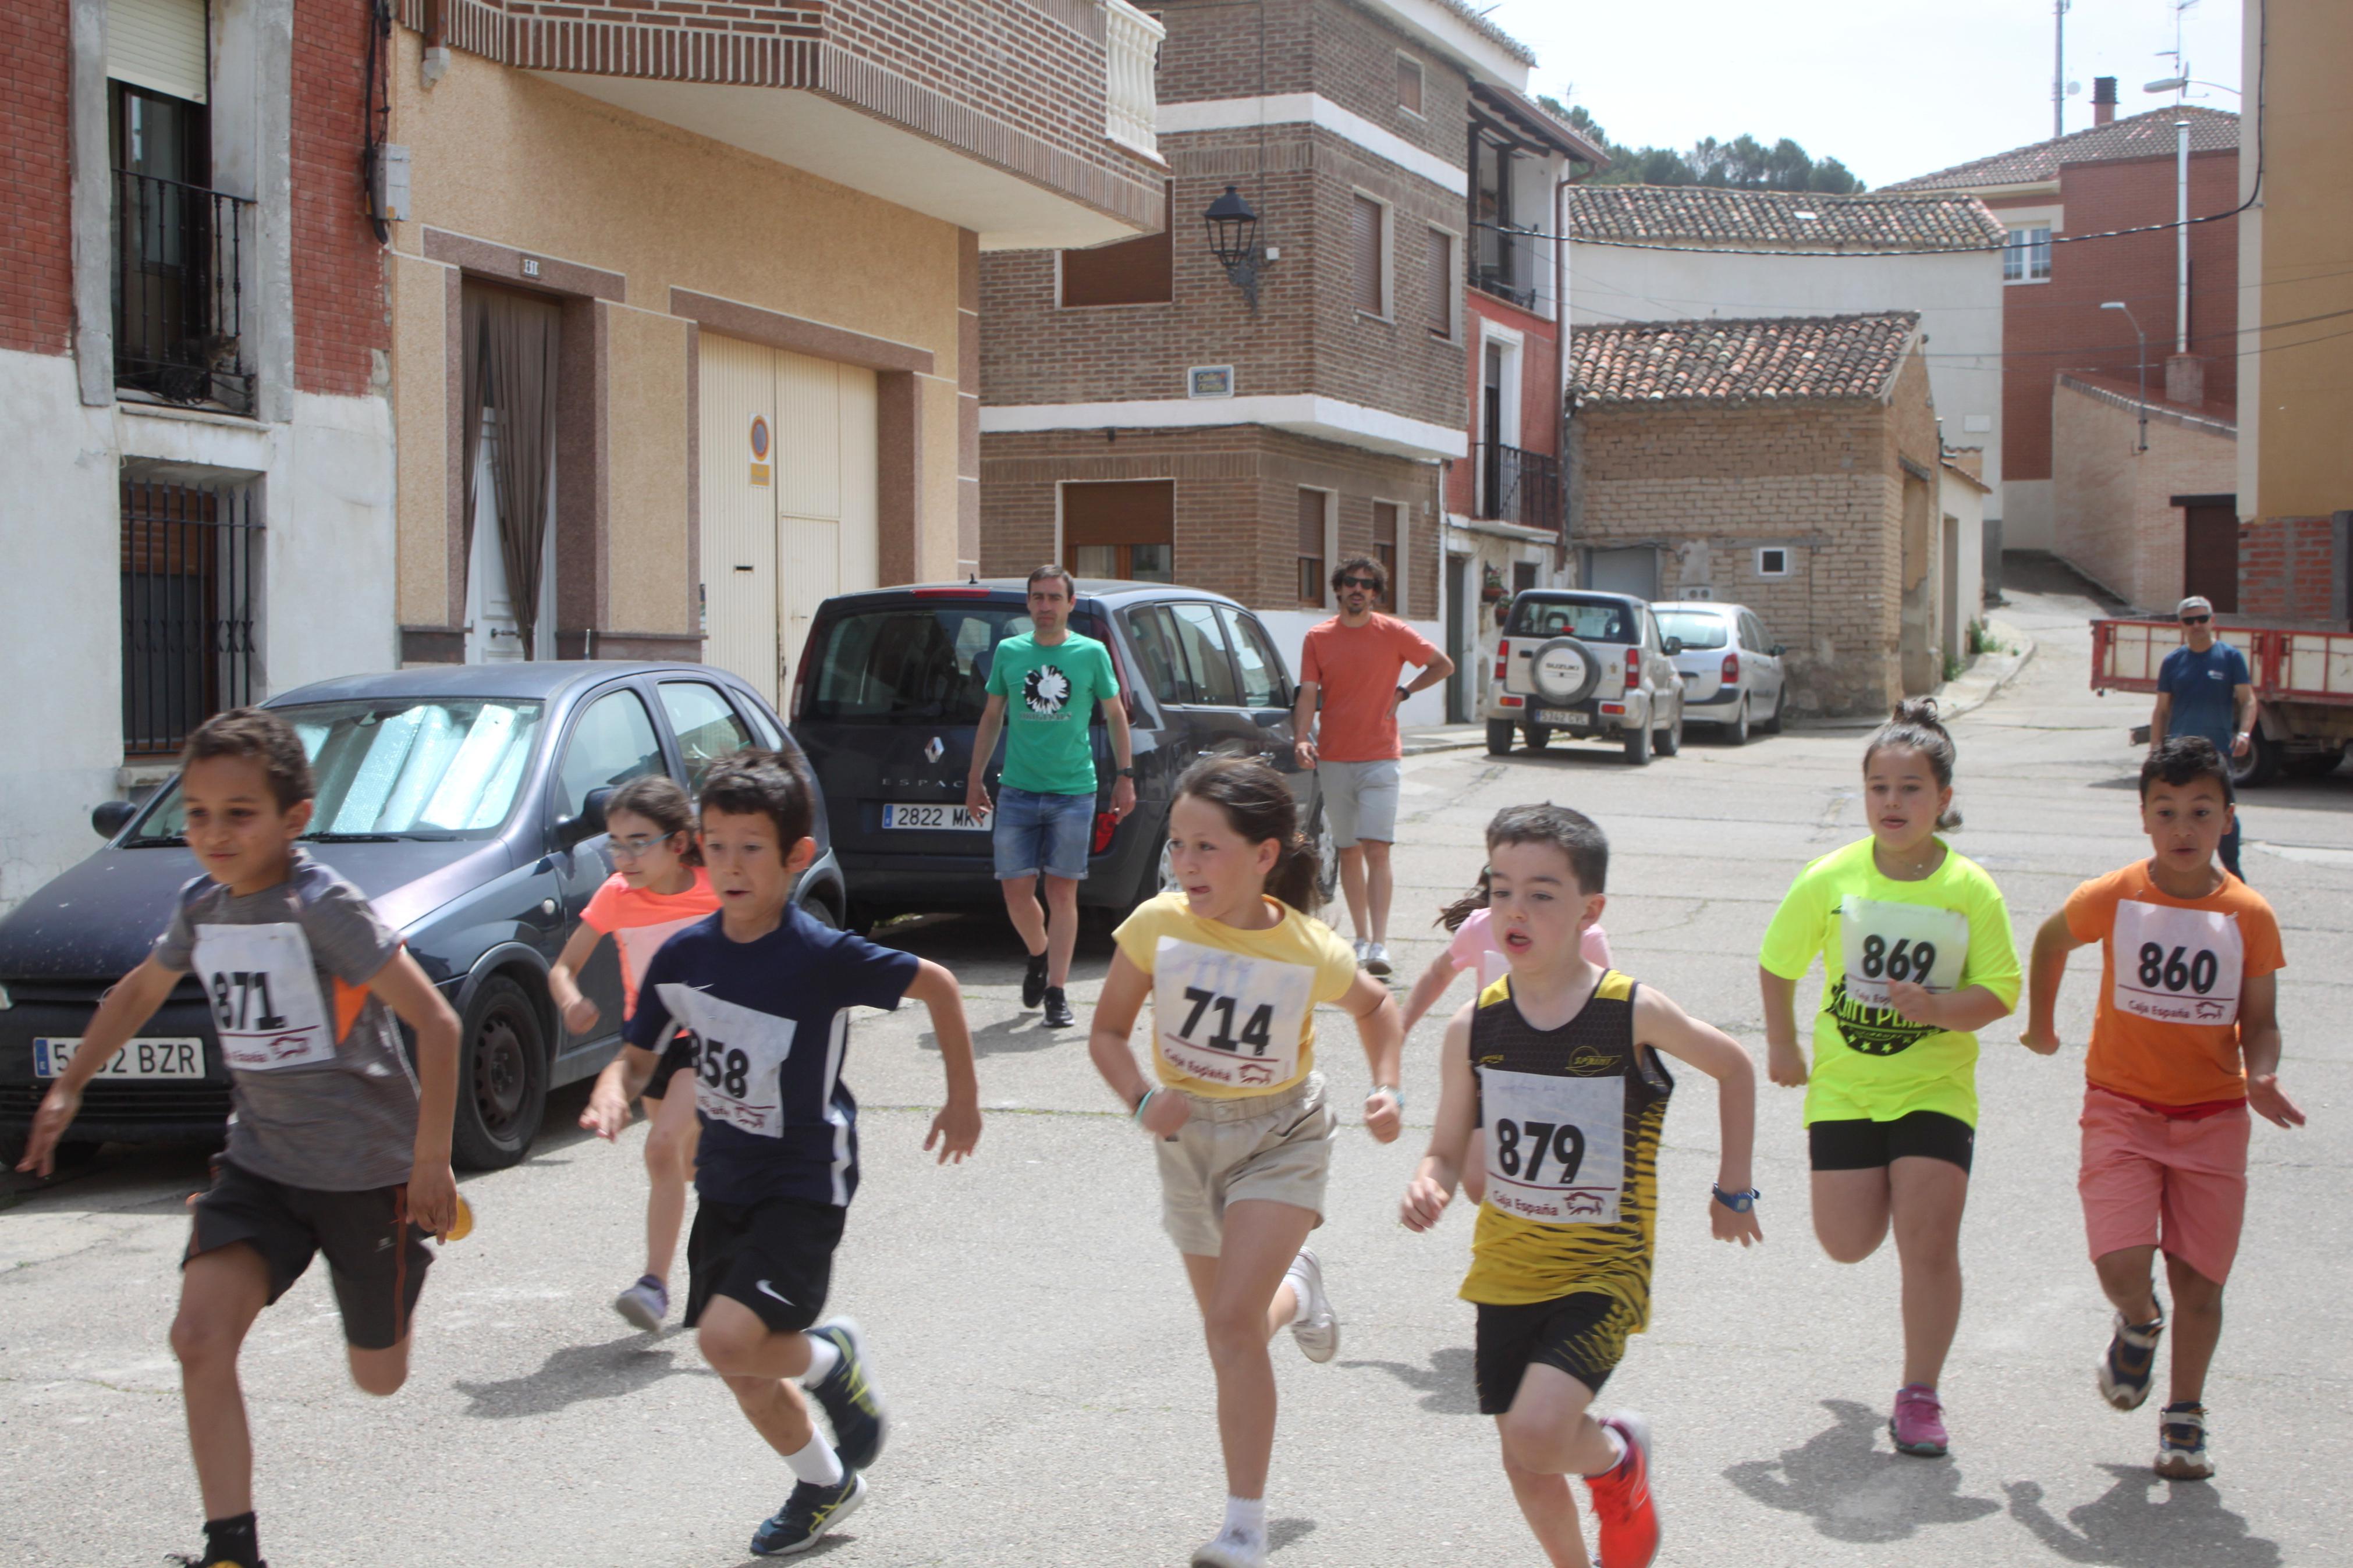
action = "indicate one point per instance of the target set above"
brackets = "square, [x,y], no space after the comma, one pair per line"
[1032,1328]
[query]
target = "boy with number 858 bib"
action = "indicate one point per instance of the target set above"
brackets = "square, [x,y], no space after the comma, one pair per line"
[335,1147]
[762,991]
[1560,1064]
[2185,1041]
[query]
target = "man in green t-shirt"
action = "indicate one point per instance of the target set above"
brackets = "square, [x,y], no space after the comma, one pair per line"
[1045,688]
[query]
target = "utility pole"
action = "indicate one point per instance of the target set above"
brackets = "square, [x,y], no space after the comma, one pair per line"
[2059,68]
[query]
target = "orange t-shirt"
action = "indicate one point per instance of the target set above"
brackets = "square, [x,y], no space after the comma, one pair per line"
[1358,667]
[2167,1032]
[639,921]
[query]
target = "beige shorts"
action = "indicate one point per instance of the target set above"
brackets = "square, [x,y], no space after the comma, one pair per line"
[1275,1149]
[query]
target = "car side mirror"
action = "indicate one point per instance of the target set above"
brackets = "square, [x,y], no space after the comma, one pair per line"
[1674,645]
[571,830]
[110,816]
[1777,650]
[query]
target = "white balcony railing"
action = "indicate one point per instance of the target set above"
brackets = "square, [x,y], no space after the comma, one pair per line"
[1131,101]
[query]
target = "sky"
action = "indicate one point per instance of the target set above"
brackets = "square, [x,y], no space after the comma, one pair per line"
[1891,88]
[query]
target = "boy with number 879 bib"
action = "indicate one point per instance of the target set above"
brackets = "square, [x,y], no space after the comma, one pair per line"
[336,1146]
[762,991]
[1560,1064]
[2186,1040]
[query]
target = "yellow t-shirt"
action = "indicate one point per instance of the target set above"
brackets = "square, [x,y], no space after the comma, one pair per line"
[1948,931]
[1233,1010]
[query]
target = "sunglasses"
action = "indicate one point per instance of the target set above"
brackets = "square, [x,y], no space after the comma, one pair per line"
[1366,582]
[2194,620]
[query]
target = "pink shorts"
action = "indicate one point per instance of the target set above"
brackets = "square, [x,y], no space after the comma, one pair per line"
[2152,1180]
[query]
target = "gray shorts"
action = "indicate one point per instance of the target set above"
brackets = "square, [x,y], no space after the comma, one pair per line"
[1276,1148]
[1360,800]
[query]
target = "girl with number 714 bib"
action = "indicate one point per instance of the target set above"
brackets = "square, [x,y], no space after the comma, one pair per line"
[1916,954]
[1233,967]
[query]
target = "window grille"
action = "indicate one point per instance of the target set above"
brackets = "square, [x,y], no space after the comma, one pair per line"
[191,574]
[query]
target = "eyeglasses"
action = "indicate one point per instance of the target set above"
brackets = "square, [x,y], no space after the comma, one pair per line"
[630,848]
[2194,620]
[1369,583]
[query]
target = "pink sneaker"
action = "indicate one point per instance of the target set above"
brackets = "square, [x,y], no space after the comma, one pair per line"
[1919,1424]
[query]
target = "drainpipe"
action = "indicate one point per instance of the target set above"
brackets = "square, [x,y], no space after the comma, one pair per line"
[1561,333]
[2181,236]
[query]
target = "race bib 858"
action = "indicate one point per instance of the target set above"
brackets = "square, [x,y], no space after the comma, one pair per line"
[739,1057]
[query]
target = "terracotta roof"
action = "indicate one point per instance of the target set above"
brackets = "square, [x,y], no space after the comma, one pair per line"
[2135,136]
[1708,216]
[1777,357]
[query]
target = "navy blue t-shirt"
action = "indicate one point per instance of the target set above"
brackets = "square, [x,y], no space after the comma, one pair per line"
[767,1031]
[2200,685]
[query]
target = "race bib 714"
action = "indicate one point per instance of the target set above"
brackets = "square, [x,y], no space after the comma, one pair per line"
[1229,1018]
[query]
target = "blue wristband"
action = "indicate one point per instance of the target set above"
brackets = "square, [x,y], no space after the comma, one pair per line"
[1738,1203]
[1136,1115]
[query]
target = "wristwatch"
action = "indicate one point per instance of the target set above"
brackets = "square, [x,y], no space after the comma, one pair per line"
[1127,773]
[1738,1203]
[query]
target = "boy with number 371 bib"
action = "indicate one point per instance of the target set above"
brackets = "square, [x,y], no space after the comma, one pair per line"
[2185,1041]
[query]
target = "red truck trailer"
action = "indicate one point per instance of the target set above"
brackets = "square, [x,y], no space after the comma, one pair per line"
[2303,681]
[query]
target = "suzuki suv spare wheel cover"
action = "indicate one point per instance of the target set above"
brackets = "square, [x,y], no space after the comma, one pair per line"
[1564,671]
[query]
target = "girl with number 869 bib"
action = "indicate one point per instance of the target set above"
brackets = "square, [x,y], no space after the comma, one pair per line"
[1233,968]
[1917,956]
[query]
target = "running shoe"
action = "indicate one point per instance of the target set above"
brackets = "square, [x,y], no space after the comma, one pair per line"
[2126,1370]
[1376,958]
[185,1561]
[806,1515]
[851,1404]
[1058,1009]
[1033,981]
[1234,1548]
[1317,1327]
[1919,1424]
[1363,950]
[1623,1507]
[645,1303]
[2181,1451]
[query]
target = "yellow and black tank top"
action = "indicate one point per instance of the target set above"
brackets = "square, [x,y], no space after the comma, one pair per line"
[1572,1117]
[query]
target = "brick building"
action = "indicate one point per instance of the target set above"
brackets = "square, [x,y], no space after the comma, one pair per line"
[2147,523]
[1142,419]
[1791,464]
[2120,174]
[200,502]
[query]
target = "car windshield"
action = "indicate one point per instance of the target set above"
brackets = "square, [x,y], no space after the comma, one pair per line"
[1603,622]
[431,768]
[923,663]
[1696,630]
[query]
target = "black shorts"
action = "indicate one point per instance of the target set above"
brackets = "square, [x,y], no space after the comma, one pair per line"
[1865,1145]
[673,1062]
[375,1260]
[1584,1335]
[775,1256]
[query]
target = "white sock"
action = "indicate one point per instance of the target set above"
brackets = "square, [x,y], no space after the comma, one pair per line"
[1617,1452]
[823,1359]
[1298,1296]
[815,1462]
[1246,1516]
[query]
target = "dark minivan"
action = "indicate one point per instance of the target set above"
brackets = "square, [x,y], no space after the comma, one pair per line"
[889,695]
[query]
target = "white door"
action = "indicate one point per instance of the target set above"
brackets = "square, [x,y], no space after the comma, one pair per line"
[492,636]
[739,508]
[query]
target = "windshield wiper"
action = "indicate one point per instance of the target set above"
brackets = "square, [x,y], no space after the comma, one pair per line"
[352,837]
[153,841]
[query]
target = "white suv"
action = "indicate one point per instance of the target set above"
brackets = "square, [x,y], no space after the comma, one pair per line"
[1586,664]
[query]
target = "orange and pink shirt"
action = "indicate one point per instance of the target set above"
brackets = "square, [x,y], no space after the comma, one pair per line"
[639,921]
[1357,668]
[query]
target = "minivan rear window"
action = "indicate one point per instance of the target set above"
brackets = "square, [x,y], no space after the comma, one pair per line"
[1696,629]
[917,663]
[1603,622]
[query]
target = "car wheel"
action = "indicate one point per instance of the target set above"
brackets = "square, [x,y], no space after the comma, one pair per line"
[1539,737]
[1736,732]
[1780,706]
[2260,766]
[821,913]
[1638,747]
[502,1077]
[1671,739]
[1499,737]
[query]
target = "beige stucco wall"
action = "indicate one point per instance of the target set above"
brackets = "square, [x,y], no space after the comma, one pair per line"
[646,473]
[420,412]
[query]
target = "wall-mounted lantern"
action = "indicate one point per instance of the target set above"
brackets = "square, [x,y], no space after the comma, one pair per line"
[1233,240]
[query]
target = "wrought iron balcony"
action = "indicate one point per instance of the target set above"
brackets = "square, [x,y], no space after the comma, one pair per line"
[1516,486]
[1509,267]
[179,292]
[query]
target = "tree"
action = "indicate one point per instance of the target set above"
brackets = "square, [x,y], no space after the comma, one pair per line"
[1742,163]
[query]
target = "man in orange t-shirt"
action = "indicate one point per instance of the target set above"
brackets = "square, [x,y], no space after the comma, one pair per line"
[2184,1042]
[1352,663]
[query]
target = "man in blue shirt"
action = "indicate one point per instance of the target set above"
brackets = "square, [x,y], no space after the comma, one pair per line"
[2203,689]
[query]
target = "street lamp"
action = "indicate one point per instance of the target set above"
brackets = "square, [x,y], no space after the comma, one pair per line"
[2119,305]
[1233,240]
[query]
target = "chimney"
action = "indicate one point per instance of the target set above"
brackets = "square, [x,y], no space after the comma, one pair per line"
[2103,99]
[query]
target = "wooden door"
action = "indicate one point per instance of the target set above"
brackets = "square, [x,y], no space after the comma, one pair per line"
[2209,555]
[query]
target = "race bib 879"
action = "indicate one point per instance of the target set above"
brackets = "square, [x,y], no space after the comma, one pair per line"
[1229,1018]
[1555,1146]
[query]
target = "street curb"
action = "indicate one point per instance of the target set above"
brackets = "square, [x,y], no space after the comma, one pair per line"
[1425,745]
[1979,686]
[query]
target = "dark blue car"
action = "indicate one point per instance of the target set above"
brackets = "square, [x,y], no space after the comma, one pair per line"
[466,801]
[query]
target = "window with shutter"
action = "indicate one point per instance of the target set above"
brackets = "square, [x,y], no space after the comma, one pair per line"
[1385,549]
[1138,271]
[1439,263]
[1408,84]
[1123,530]
[1311,547]
[1367,236]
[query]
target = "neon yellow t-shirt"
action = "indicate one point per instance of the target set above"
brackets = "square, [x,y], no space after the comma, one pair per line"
[1949,931]
[1234,1010]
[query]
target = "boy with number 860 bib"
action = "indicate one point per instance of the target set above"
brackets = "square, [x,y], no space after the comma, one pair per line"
[1560,1064]
[762,991]
[2186,1040]
[336,1146]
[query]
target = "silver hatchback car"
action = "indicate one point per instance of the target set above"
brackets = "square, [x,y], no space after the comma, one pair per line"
[1731,668]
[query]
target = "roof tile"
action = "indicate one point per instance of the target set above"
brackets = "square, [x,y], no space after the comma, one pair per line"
[2135,136]
[1709,217]
[1848,357]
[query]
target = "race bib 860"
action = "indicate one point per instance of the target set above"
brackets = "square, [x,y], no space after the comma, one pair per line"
[2175,965]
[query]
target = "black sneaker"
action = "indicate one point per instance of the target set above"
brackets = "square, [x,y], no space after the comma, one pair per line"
[2127,1370]
[1058,1009]
[211,1560]
[806,1515]
[851,1404]
[1033,981]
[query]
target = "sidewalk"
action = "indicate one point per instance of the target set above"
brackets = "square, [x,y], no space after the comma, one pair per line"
[1420,740]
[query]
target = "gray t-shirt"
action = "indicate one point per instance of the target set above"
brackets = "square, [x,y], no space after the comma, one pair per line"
[322,1093]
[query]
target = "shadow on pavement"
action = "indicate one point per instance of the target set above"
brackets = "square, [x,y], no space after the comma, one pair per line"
[1854,1491]
[1444,1385]
[1016,1035]
[1282,1532]
[2185,1522]
[574,1373]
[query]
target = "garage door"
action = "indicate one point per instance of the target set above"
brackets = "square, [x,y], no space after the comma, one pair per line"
[788,501]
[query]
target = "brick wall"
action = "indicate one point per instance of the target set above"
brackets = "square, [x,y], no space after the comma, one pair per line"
[2112,503]
[1237,503]
[36,180]
[2055,327]
[340,310]
[2287,570]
